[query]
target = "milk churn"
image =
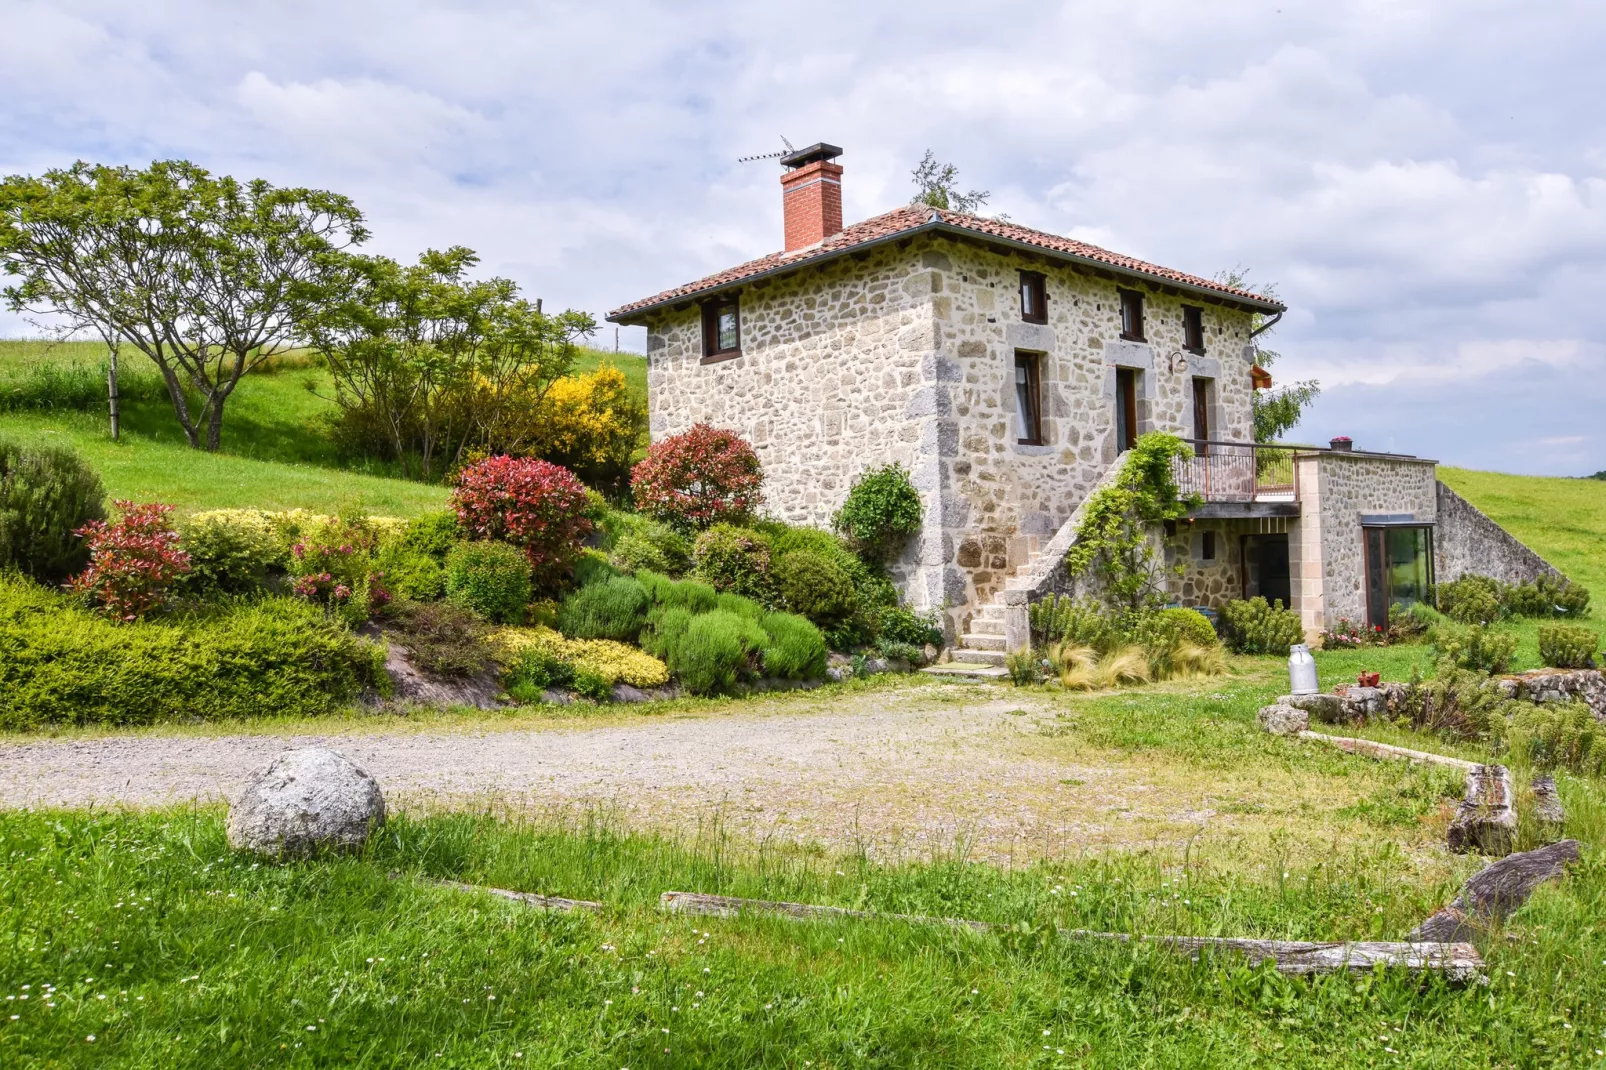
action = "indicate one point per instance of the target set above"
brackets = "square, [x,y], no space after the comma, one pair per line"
[1301,671]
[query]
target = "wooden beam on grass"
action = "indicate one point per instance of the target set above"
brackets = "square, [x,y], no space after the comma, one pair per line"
[1457,961]
[529,899]
[1373,749]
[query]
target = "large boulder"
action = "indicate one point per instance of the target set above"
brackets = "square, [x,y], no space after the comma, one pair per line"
[304,801]
[1329,709]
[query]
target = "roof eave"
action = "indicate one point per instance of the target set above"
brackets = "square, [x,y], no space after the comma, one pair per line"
[636,316]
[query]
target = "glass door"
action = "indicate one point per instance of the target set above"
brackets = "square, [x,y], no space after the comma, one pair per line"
[1399,569]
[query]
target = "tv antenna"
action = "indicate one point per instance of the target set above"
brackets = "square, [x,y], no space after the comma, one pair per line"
[769,155]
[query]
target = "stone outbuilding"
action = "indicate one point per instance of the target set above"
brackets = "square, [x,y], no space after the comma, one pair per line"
[1008,369]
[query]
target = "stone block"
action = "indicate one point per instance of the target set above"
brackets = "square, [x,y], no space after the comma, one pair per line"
[1328,709]
[1282,720]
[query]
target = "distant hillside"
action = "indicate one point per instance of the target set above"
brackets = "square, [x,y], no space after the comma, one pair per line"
[1563,520]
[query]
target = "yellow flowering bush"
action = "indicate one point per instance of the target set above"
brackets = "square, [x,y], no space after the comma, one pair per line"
[615,662]
[590,424]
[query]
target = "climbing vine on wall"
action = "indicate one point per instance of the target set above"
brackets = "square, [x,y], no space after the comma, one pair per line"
[1113,540]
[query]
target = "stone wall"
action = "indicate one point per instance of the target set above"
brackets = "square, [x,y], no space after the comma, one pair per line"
[1466,541]
[1203,581]
[1004,499]
[1327,555]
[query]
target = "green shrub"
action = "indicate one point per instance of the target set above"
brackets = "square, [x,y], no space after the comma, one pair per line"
[1549,595]
[1081,622]
[491,578]
[1458,703]
[1256,627]
[411,574]
[666,627]
[591,684]
[881,512]
[717,649]
[613,609]
[632,553]
[742,607]
[898,651]
[1568,646]
[61,664]
[592,567]
[537,670]
[1559,735]
[897,624]
[734,559]
[442,639]
[1476,647]
[1186,625]
[227,555]
[1472,599]
[814,586]
[1411,624]
[46,494]
[636,542]
[795,649]
[694,596]
[1024,667]
[433,534]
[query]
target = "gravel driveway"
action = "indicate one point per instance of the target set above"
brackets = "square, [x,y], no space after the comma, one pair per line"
[898,774]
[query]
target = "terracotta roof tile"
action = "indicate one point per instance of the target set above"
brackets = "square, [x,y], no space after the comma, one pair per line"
[915,217]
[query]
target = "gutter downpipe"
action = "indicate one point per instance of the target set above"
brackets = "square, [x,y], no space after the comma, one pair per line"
[1264,327]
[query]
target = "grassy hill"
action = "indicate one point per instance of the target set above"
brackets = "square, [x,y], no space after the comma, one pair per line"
[1563,520]
[278,450]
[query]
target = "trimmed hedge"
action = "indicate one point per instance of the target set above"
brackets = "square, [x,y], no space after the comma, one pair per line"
[795,650]
[46,494]
[491,578]
[61,664]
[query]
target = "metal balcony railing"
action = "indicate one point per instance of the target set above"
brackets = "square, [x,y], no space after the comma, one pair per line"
[1237,472]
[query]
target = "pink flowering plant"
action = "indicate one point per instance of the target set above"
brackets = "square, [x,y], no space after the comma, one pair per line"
[1347,634]
[698,478]
[334,568]
[133,561]
[535,505]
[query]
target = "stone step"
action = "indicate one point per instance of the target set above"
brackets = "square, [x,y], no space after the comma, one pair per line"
[966,672]
[987,625]
[976,657]
[990,611]
[979,641]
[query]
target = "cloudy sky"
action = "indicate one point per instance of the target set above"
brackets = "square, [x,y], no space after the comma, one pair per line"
[1425,182]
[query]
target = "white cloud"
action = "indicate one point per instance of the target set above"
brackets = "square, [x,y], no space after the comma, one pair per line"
[1422,178]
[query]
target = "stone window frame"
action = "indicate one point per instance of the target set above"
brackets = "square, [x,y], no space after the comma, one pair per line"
[712,309]
[1193,332]
[1131,315]
[1034,289]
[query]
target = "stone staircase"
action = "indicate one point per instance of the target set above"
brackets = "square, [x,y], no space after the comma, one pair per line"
[981,650]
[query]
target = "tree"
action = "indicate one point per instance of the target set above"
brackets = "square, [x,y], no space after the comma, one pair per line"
[440,362]
[1275,411]
[938,186]
[205,276]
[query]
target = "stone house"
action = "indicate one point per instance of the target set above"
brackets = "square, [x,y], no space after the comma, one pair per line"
[1008,369]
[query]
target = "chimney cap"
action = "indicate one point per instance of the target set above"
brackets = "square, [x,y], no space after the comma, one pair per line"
[816,152]
[1342,444]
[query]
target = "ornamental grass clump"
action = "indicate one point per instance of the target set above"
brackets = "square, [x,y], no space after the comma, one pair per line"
[539,507]
[133,561]
[698,478]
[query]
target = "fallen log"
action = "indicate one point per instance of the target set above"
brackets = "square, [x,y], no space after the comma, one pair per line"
[1457,961]
[1547,806]
[1494,892]
[529,899]
[1486,821]
[1373,749]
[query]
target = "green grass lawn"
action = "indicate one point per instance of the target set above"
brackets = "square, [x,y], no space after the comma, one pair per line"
[1564,520]
[277,450]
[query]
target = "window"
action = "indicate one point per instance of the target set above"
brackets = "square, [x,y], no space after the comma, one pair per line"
[1131,315]
[1033,297]
[722,330]
[1193,329]
[1201,417]
[1207,546]
[1028,400]
[1126,409]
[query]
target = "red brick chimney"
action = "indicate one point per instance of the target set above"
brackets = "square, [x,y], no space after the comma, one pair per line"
[811,195]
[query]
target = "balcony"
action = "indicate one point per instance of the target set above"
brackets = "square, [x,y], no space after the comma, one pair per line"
[1247,478]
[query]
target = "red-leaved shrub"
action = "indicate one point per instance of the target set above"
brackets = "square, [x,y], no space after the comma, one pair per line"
[537,506]
[132,560]
[700,477]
